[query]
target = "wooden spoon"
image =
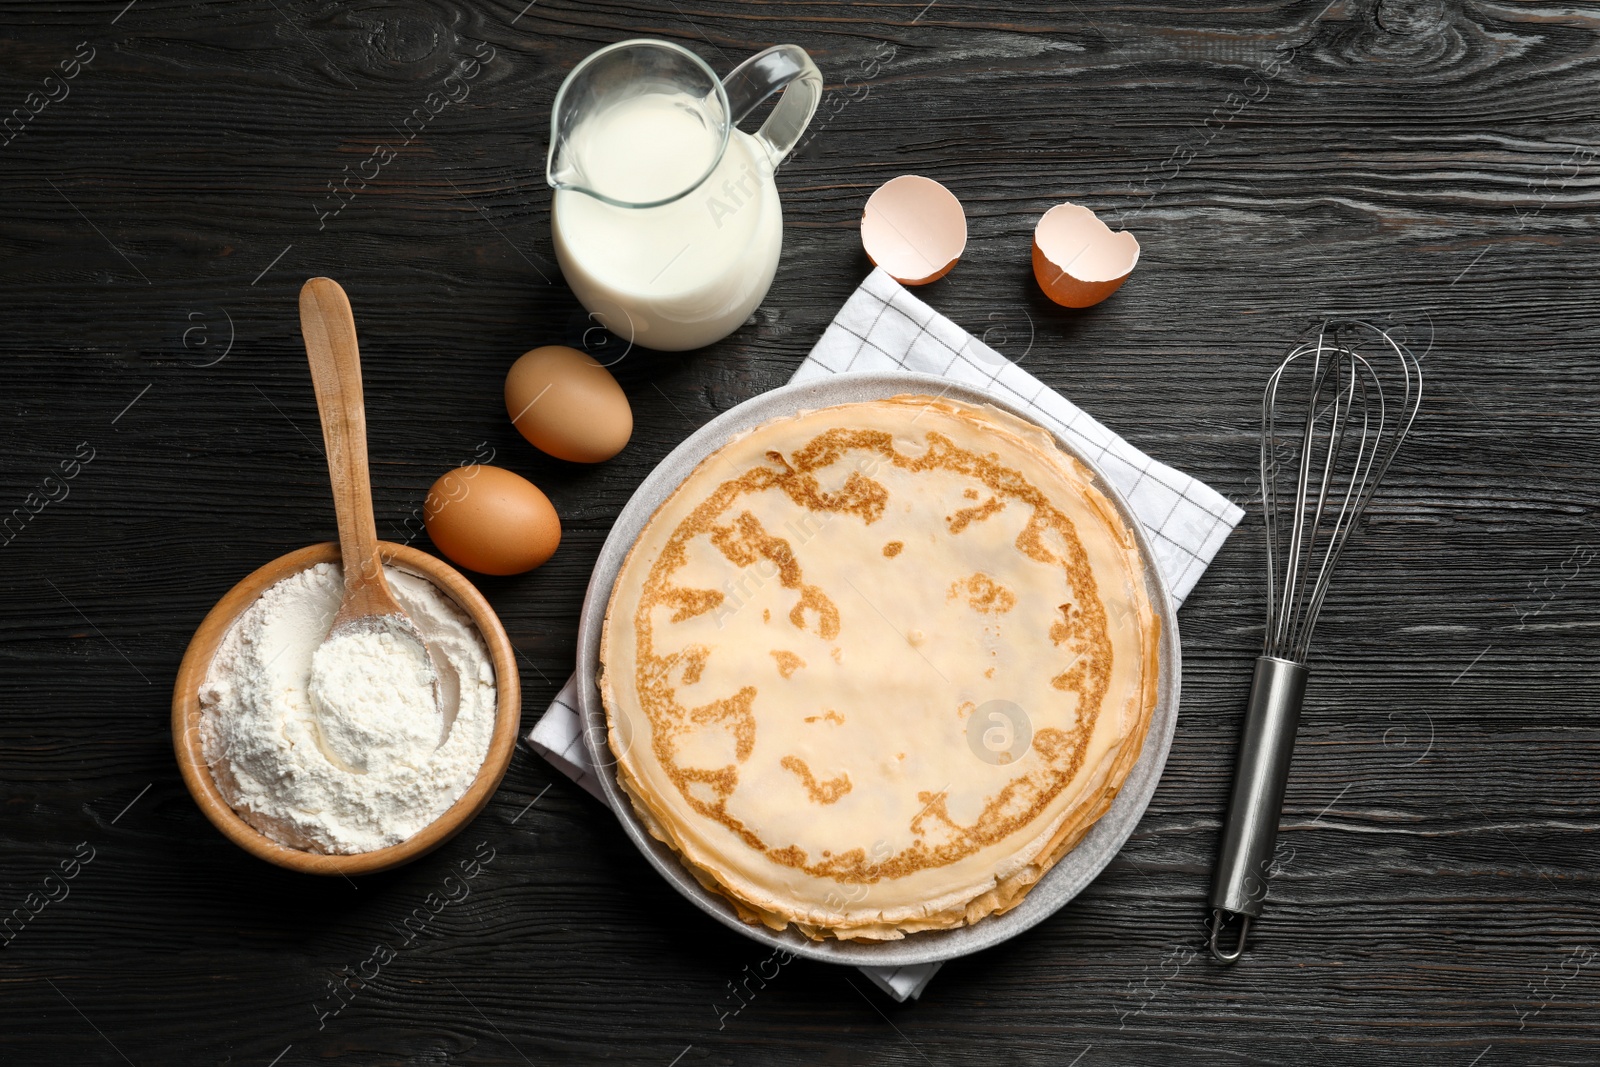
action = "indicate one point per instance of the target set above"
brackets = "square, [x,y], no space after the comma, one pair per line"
[329,328]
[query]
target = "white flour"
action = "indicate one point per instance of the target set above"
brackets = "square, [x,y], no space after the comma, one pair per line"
[372,693]
[363,767]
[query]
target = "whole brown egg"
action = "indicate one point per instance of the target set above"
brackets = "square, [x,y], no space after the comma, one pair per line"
[491,521]
[568,405]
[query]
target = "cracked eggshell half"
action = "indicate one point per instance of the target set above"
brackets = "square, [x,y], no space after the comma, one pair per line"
[1077,259]
[914,229]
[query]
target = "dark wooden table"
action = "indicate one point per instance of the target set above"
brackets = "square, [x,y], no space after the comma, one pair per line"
[166,171]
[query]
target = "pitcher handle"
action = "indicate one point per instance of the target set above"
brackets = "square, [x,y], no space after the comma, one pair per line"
[785,67]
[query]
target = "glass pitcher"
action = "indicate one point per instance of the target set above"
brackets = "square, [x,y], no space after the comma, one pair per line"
[666,217]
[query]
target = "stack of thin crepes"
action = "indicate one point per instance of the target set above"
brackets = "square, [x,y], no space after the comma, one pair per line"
[874,669]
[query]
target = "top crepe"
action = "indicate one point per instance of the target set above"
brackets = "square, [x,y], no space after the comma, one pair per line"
[873,669]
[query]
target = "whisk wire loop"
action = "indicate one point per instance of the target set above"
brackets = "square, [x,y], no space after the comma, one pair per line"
[1348,433]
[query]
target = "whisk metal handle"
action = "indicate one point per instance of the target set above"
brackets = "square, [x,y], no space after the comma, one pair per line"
[1239,887]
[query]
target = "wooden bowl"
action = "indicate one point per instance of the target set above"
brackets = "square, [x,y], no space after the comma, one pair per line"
[197,661]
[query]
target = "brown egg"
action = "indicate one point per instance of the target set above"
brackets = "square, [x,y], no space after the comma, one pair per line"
[491,521]
[1077,260]
[568,405]
[913,228]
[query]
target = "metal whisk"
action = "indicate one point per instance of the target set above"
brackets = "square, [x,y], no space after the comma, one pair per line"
[1354,391]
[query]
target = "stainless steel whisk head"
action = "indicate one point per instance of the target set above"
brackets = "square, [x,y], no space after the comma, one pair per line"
[1360,389]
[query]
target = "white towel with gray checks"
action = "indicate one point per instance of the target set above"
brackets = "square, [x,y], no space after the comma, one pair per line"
[882,327]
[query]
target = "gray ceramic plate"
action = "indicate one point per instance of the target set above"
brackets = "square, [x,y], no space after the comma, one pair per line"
[1063,882]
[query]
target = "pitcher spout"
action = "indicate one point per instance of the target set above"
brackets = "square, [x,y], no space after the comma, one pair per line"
[562,172]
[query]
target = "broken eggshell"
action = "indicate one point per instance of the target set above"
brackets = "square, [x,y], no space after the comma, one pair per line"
[914,229]
[1077,260]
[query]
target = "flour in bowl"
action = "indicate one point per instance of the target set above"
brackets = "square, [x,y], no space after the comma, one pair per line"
[373,694]
[374,758]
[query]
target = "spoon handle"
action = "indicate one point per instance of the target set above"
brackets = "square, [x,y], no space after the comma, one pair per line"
[329,328]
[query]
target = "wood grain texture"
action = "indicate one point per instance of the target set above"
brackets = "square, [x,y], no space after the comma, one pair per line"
[1426,164]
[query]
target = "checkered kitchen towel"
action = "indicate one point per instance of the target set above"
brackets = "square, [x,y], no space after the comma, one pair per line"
[882,327]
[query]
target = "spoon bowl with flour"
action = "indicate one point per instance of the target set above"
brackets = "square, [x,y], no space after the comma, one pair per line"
[373,686]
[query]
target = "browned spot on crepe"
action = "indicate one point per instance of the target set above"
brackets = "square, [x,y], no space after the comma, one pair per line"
[692,602]
[1069,680]
[788,662]
[694,663]
[793,856]
[892,549]
[984,595]
[967,516]
[1061,631]
[747,540]
[824,792]
[831,716]
[734,713]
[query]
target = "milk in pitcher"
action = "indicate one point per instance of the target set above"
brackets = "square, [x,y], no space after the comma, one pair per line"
[681,274]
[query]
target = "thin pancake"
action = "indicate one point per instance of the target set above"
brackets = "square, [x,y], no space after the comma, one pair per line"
[874,669]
